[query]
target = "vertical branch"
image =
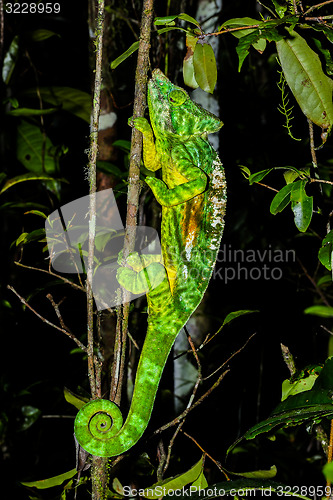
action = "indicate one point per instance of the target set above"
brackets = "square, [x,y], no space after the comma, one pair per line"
[140,99]
[92,191]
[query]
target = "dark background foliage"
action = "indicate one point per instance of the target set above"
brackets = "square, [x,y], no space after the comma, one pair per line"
[38,362]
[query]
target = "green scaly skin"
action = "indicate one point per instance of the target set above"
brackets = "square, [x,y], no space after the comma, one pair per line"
[192,193]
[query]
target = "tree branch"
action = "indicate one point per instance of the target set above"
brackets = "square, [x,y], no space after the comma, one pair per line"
[63,330]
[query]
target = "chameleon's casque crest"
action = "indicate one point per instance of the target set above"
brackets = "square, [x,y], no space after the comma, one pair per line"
[192,193]
[175,112]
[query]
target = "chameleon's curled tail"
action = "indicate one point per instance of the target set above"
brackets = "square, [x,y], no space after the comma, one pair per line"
[96,423]
[99,424]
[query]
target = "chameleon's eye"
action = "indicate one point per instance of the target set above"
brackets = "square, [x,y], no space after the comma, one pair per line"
[177,97]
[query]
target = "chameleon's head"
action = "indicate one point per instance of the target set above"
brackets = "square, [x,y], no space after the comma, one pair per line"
[172,111]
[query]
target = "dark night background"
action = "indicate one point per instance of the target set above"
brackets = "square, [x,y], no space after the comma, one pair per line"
[37,362]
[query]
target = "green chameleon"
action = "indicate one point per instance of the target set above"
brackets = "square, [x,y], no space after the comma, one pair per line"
[192,193]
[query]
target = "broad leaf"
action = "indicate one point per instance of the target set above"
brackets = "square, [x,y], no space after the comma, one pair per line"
[281,199]
[30,415]
[258,474]
[31,112]
[258,176]
[322,311]
[42,484]
[34,150]
[10,60]
[302,205]
[42,34]
[28,177]
[74,101]
[309,84]
[188,65]
[205,70]
[328,471]
[325,252]
[74,399]
[311,405]
[162,488]
[25,238]
[235,314]
[158,21]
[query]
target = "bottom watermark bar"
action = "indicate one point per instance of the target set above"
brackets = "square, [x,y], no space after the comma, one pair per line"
[215,491]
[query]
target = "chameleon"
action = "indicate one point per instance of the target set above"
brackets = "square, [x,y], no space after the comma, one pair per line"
[192,194]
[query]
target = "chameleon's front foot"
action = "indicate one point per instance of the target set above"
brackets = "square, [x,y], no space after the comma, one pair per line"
[141,124]
[145,273]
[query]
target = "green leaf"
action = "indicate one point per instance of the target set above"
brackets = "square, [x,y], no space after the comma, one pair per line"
[322,311]
[291,388]
[74,399]
[123,145]
[235,314]
[10,60]
[239,488]
[31,112]
[109,168]
[158,21]
[258,176]
[34,150]
[205,70]
[25,238]
[325,252]
[42,34]
[239,22]
[296,416]
[267,31]
[166,30]
[258,474]
[36,212]
[74,101]
[328,471]
[42,484]
[302,205]
[30,414]
[245,171]
[281,199]
[188,64]
[309,405]
[161,488]
[124,55]
[28,177]
[303,72]
[280,8]
[189,19]
[201,482]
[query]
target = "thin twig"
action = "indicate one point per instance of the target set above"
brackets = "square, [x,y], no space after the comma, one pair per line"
[93,153]
[318,6]
[230,358]
[65,280]
[288,358]
[57,311]
[216,462]
[323,181]
[66,332]
[140,99]
[180,417]
[190,402]
[314,284]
